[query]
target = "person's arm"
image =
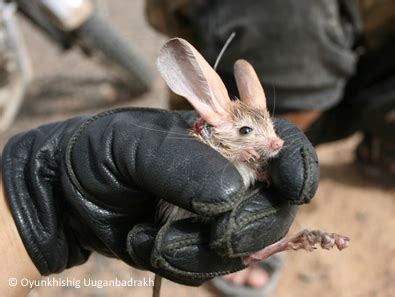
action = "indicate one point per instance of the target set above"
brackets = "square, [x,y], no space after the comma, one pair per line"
[16,263]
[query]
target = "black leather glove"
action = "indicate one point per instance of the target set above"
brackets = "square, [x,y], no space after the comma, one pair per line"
[92,184]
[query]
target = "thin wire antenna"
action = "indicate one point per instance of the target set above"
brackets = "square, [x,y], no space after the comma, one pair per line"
[221,53]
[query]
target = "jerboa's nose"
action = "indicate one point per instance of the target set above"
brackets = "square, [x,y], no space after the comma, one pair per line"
[276,144]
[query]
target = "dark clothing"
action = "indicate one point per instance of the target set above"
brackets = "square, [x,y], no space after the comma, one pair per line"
[302,50]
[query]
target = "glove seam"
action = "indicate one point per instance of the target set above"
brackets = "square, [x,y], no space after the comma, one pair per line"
[305,154]
[240,224]
[194,275]
[180,243]
[158,261]
[306,188]
[75,137]
[257,217]
[227,235]
[245,219]
[212,208]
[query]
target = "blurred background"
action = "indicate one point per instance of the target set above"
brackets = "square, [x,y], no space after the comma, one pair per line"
[67,84]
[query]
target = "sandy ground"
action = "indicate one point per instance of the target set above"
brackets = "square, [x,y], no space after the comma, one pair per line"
[67,84]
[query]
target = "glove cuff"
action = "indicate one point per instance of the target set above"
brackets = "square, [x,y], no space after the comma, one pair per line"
[31,180]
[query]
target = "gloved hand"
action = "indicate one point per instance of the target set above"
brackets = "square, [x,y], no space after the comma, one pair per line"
[92,184]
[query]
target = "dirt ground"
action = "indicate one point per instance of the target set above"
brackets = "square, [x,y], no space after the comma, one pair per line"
[67,84]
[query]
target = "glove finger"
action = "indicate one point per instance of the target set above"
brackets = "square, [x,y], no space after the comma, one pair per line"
[295,173]
[180,252]
[256,222]
[140,244]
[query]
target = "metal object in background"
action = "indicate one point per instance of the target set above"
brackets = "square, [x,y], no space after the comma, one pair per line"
[67,23]
[69,14]
[85,29]
[15,67]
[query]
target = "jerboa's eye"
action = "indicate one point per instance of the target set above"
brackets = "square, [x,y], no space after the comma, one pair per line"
[245,130]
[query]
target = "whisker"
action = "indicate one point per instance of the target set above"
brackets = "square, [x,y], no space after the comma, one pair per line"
[287,144]
[158,130]
[183,138]
[290,136]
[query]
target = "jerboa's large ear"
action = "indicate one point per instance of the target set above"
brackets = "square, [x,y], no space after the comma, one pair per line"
[189,75]
[248,84]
